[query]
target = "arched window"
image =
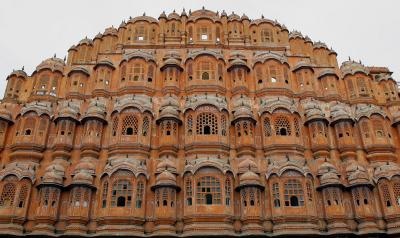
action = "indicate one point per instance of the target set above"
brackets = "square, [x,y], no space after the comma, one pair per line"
[206,124]
[294,195]
[350,86]
[8,195]
[208,191]
[130,125]
[136,72]
[266,36]
[145,126]
[205,76]
[188,191]
[362,87]
[190,70]
[275,195]
[228,191]
[23,194]
[29,126]
[282,126]
[150,73]
[205,70]
[165,197]
[267,127]
[139,194]
[365,128]
[121,194]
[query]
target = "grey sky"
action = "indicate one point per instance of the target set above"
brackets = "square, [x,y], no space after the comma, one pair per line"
[32,31]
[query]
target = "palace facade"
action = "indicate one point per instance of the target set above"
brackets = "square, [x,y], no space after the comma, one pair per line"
[195,124]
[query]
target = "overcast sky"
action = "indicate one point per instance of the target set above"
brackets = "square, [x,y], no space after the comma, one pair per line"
[32,31]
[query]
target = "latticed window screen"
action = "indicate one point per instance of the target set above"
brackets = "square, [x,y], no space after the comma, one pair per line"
[275,195]
[294,195]
[139,194]
[164,198]
[282,126]
[251,197]
[243,193]
[296,127]
[7,195]
[76,197]
[208,191]
[130,125]
[114,126]
[23,194]
[145,126]
[266,36]
[228,192]
[189,191]
[309,191]
[189,125]
[356,197]
[386,195]
[104,195]
[206,124]
[223,125]
[121,194]
[396,191]
[267,127]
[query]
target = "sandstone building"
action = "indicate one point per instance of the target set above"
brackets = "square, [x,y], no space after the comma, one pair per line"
[200,123]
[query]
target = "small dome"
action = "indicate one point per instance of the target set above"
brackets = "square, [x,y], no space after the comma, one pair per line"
[245,17]
[340,111]
[162,15]
[18,73]
[173,15]
[53,64]
[85,41]
[96,109]
[110,31]
[166,178]
[357,174]
[295,34]
[313,110]
[5,113]
[83,177]
[166,164]
[328,174]
[233,17]
[54,174]
[250,179]
[351,67]
[247,165]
